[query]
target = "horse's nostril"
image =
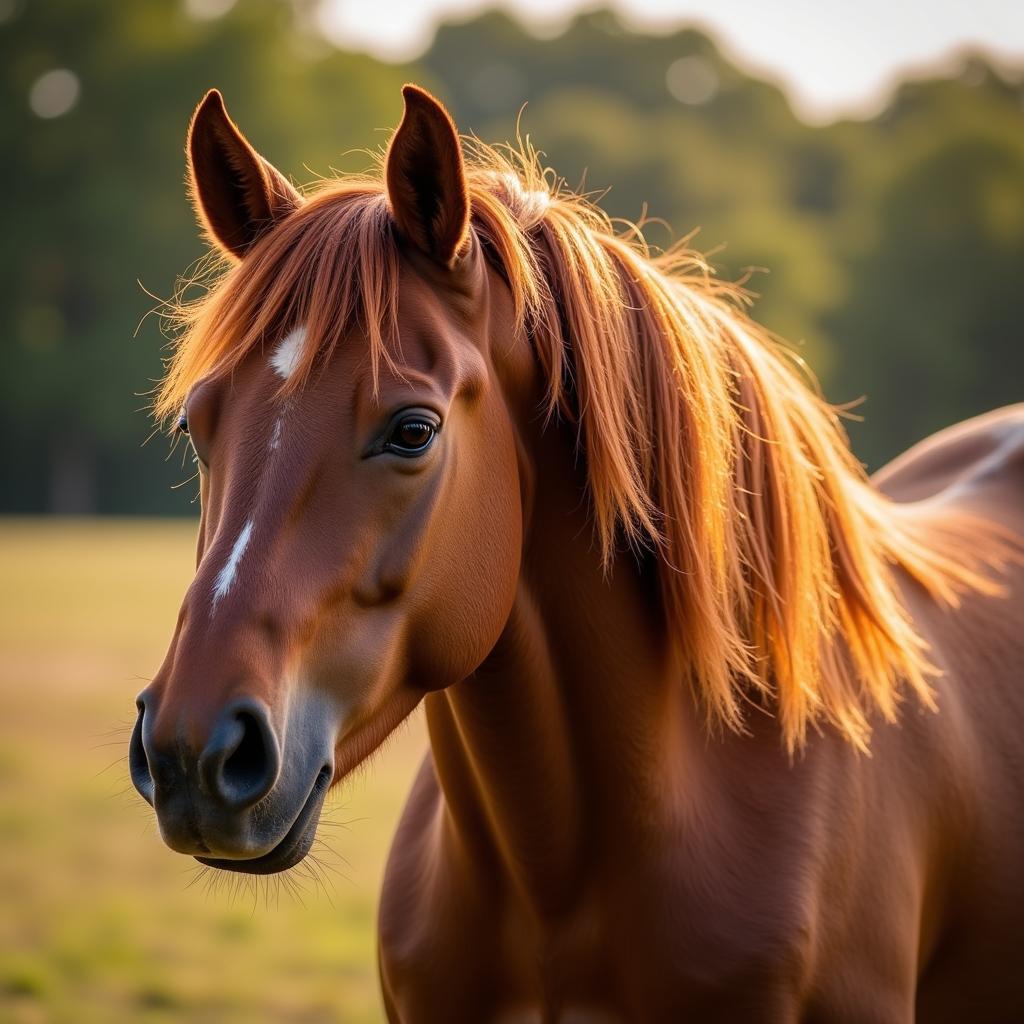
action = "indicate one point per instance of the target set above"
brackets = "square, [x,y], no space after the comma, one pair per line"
[138,762]
[248,762]
[241,763]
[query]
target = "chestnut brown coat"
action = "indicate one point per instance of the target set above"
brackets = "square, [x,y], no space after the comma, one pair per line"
[720,730]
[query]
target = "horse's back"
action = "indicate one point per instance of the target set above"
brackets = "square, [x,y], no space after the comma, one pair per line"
[978,461]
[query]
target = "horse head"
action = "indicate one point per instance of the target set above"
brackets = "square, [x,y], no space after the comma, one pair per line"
[362,501]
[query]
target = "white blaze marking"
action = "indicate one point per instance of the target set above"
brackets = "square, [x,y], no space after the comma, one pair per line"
[288,352]
[226,577]
[284,360]
[275,437]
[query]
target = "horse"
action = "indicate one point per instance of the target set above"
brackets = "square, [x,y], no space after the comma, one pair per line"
[720,728]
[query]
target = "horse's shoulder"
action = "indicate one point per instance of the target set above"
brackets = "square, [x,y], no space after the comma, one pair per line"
[984,450]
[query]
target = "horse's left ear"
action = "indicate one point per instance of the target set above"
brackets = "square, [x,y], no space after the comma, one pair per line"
[237,194]
[426,178]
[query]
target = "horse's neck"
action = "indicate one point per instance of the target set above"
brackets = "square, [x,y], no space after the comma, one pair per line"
[569,735]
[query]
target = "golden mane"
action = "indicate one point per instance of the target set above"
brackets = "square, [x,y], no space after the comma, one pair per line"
[703,440]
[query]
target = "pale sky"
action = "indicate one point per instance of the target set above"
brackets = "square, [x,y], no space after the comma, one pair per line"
[834,57]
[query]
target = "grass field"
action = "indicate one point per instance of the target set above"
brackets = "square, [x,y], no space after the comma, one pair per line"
[98,920]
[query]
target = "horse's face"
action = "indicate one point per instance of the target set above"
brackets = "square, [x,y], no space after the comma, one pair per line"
[358,546]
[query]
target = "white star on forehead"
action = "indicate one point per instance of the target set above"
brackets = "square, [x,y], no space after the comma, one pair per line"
[286,356]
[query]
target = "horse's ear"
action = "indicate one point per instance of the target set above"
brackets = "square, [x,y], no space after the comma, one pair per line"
[426,178]
[237,194]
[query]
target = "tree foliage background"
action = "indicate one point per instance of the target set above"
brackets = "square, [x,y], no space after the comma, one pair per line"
[894,246]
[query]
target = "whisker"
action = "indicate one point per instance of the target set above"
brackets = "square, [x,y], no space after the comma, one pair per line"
[198,874]
[123,759]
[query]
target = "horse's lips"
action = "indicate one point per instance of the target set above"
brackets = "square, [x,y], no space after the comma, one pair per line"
[295,843]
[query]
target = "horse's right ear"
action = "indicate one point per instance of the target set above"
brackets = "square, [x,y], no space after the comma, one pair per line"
[237,194]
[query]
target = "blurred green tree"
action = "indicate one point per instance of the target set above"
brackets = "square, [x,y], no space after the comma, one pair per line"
[929,329]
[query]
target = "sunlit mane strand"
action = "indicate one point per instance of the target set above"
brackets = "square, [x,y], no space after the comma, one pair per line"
[704,443]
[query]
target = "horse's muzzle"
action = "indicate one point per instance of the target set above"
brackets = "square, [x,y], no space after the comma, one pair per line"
[233,804]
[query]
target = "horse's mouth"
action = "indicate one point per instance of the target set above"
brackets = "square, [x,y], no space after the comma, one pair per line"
[293,846]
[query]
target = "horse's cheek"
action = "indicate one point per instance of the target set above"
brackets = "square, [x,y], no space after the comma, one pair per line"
[471,575]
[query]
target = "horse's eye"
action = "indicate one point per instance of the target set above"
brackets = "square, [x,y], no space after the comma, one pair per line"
[182,423]
[411,436]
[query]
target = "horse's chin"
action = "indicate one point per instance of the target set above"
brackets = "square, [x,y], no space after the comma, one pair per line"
[294,845]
